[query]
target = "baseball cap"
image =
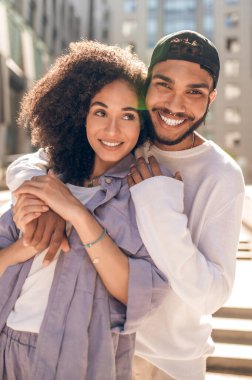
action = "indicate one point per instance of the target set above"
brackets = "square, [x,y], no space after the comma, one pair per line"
[187,45]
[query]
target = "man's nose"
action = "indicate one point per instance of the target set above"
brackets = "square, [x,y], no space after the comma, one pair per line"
[175,103]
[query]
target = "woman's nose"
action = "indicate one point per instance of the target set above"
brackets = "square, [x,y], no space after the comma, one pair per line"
[112,126]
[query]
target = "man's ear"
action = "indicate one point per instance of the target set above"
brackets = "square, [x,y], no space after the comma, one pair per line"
[212,96]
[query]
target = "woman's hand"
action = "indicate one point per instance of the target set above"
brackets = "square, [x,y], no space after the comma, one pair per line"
[14,254]
[54,193]
[27,208]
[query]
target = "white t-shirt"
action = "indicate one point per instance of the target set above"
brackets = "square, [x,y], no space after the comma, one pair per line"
[191,231]
[29,309]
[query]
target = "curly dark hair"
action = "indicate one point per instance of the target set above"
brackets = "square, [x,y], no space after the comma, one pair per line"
[55,109]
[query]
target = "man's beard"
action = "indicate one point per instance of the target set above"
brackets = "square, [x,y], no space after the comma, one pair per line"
[162,140]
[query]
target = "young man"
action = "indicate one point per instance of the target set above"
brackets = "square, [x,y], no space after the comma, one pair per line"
[190,227]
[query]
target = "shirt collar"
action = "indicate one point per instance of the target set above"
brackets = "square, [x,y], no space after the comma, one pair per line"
[121,169]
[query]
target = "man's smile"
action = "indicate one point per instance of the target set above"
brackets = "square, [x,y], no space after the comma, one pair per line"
[169,121]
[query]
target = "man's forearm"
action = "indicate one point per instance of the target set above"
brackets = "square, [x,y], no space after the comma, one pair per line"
[25,167]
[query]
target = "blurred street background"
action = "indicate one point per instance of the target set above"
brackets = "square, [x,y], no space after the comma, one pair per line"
[34,32]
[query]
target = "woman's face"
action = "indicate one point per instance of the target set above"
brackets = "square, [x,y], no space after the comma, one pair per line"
[112,124]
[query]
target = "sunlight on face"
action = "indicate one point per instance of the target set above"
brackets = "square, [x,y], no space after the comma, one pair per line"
[178,97]
[113,124]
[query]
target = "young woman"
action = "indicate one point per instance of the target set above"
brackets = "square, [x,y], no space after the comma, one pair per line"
[75,318]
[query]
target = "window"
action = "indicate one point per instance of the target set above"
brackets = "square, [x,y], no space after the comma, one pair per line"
[176,25]
[179,15]
[128,28]
[44,19]
[180,5]
[232,115]
[152,25]
[129,6]
[18,5]
[232,139]
[105,34]
[232,68]
[232,45]
[152,33]
[15,41]
[40,57]
[32,14]
[231,20]
[16,92]
[232,91]
[152,4]
[208,25]
[231,2]
[2,113]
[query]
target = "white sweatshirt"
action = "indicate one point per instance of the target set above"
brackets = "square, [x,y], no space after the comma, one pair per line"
[191,230]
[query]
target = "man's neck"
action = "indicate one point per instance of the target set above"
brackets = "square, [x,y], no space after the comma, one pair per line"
[188,143]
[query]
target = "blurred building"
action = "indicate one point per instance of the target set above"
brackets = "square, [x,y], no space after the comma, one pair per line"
[32,34]
[228,24]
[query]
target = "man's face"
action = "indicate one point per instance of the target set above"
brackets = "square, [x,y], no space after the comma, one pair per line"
[178,98]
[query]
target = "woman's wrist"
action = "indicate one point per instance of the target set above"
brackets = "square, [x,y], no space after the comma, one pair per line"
[79,215]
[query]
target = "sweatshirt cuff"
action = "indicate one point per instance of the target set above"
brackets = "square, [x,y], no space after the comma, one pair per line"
[156,190]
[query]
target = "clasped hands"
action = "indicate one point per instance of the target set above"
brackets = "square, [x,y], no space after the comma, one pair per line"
[44,204]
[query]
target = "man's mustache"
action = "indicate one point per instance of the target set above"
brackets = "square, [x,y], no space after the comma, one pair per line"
[181,115]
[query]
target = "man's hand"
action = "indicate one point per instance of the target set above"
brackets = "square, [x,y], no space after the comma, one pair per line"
[142,171]
[47,231]
[26,209]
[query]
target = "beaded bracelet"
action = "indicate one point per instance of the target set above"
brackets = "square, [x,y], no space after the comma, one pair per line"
[88,245]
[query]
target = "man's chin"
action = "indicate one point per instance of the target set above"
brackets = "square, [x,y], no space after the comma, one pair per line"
[163,140]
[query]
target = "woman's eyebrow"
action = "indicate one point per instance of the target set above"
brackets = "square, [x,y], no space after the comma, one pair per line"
[99,104]
[129,109]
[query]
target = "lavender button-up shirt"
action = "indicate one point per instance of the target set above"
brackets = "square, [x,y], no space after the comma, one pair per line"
[86,333]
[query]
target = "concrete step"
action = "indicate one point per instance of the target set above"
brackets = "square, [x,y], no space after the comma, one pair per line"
[234,312]
[232,330]
[224,376]
[231,359]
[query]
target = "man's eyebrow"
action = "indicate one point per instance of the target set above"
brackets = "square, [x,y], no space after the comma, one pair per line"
[164,78]
[191,85]
[198,85]
[98,104]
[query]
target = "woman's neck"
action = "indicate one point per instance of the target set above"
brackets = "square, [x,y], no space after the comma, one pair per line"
[100,167]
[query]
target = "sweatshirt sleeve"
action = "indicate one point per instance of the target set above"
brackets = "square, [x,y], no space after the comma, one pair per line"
[202,276]
[147,288]
[25,167]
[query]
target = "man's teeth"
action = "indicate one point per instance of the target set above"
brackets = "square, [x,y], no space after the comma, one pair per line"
[171,122]
[110,143]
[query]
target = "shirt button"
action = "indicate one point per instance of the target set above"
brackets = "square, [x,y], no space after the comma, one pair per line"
[108,180]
